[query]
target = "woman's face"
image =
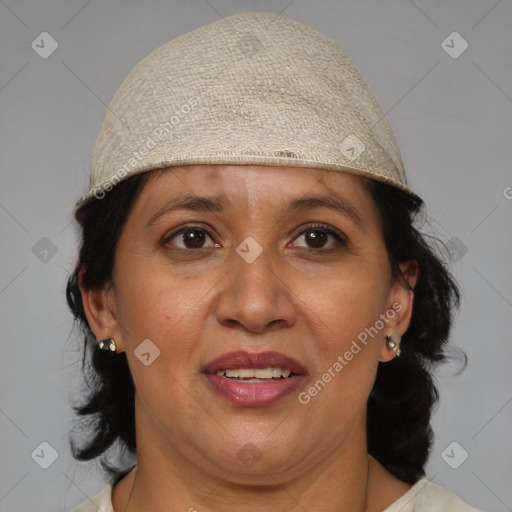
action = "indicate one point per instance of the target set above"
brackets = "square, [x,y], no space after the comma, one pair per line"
[251,263]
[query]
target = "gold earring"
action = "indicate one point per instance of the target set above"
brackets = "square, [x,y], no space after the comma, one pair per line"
[108,345]
[393,345]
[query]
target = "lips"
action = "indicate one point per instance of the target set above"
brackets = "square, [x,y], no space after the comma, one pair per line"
[241,359]
[252,393]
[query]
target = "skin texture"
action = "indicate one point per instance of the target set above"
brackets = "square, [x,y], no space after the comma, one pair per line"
[197,304]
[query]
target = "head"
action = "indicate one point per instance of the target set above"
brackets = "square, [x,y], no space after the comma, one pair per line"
[142,277]
[256,261]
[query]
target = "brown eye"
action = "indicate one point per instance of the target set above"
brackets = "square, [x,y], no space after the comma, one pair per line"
[316,237]
[190,238]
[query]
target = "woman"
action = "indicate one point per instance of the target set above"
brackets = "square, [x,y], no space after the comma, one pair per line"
[262,315]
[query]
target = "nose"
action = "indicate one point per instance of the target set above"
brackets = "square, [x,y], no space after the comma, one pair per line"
[255,296]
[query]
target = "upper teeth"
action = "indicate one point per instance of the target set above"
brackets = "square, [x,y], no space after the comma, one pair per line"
[259,373]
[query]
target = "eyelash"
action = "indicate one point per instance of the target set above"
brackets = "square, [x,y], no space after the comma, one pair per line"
[340,238]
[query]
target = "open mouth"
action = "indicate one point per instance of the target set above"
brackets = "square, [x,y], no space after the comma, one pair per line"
[253,375]
[254,380]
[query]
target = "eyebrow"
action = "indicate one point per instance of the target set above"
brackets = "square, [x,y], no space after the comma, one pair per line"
[330,201]
[215,204]
[190,202]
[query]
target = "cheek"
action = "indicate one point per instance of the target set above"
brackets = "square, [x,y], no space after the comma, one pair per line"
[155,304]
[169,310]
[167,314]
[348,326]
[347,347]
[351,300]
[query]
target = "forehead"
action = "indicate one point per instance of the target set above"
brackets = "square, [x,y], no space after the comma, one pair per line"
[251,181]
[254,191]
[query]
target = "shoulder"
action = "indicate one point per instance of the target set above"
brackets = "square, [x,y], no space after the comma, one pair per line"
[102,502]
[425,496]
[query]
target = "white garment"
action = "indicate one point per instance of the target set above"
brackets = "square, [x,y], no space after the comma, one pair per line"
[423,496]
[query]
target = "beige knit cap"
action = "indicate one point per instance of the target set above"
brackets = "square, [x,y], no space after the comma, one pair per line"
[252,88]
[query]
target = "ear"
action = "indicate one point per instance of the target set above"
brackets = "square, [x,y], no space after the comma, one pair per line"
[400,302]
[99,308]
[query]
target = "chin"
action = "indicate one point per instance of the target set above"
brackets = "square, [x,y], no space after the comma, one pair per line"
[253,462]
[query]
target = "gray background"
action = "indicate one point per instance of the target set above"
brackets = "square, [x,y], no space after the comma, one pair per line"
[452,118]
